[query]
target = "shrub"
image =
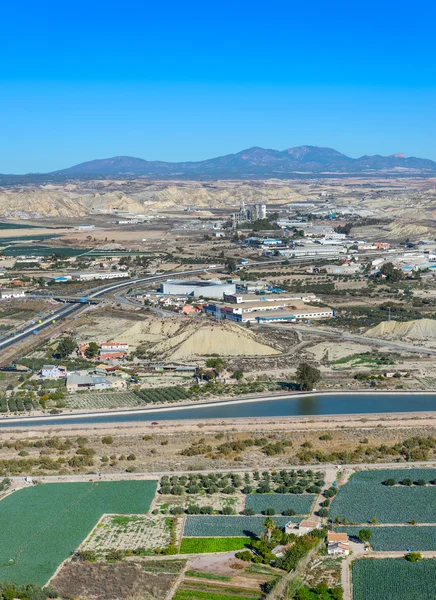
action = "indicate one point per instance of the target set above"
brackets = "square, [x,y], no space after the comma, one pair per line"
[269,512]
[107,439]
[413,557]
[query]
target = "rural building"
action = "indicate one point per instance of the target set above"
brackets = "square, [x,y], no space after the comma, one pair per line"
[76,382]
[53,371]
[112,355]
[8,294]
[343,269]
[212,288]
[302,528]
[114,347]
[338,544]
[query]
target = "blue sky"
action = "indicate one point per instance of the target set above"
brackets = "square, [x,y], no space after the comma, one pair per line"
[191,80]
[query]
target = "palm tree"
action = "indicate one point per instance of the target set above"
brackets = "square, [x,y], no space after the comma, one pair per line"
[269,528]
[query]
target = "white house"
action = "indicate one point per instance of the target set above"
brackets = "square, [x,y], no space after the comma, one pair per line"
[53,371]
[302,528]
[114,347]
[8,294]
[338,544]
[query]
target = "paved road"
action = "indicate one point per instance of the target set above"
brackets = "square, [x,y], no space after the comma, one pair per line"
[344,336]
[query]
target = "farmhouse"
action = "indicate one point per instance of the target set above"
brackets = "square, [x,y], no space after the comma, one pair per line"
[76,382]
[302,528]
[53,371]
[338,544]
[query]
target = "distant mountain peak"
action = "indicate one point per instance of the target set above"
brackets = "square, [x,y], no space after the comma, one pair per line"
[253,163]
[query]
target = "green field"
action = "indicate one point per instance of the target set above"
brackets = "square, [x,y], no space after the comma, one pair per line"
[191,591]
[41,526]
[365,497]
[394,579]
[229,526]
[225,544]
[398,538]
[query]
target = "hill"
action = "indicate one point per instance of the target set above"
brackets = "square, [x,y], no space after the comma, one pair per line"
[253,163]
[421,329]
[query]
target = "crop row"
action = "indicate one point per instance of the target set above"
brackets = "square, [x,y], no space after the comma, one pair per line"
[164,394]
[363,499]
[393,579]
[384,539]
[103,400]
[16,404]
[229,526]
[300,503]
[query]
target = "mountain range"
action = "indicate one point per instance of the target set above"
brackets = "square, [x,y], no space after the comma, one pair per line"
[254,162]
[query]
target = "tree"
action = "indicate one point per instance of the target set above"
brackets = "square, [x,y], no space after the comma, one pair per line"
[269,528]
[307,376]
[65,347]
[365,535]
[231,265]
[216,363]
[323,512]
[92,350]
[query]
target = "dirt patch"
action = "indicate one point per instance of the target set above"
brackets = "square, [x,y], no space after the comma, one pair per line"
[117,581]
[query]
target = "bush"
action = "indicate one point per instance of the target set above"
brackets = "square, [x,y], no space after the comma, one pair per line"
[413,557]
[244,555]
[269,512]
[107,439]
[391,481]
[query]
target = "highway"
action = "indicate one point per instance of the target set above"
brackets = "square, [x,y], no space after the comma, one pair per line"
[66,311]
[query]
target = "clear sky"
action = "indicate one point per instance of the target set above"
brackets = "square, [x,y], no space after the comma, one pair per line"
[85,79]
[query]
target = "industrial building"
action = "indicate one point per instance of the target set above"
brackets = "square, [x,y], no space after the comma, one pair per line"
[280,310]
[249,213]
[213,288]
[87,276]
[75,382]
[287,297]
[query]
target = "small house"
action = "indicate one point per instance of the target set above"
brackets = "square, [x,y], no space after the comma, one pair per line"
[302,528]
[338,544]
[53,371]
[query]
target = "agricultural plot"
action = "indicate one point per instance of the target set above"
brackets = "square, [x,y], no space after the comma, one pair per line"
[150,580]
[42,525]
[192,590]
[398,538]
[365,497]
[228,526]
[216,501]
[164,394]
[214,544]
[117,532]
[103,400]
[393,579]
[301,503]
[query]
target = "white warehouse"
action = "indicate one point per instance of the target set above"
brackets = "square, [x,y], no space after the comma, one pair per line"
[212,288]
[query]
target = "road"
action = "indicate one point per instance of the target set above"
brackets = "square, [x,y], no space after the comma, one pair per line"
[351,337]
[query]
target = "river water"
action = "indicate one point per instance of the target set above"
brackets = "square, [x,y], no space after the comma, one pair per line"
[284,407]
